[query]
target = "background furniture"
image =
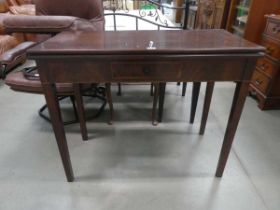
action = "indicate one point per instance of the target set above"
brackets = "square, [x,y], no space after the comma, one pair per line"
[21,7]
[192,16]
[53,18]
[246,17]
[29,81]
[212,14]
[265,83]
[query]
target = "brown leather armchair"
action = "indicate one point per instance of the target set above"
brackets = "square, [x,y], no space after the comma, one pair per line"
[52,18]
[21,7]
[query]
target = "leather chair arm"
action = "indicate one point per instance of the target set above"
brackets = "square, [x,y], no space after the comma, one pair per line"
[13,57]
[38,24]
[16,52]
[88,25]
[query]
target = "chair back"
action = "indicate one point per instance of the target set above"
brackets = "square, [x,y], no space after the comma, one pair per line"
[86,9]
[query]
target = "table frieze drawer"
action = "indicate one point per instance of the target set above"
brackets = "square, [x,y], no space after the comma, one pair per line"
[138,71]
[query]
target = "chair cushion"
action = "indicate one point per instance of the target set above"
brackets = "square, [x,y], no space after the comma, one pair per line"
[17,81]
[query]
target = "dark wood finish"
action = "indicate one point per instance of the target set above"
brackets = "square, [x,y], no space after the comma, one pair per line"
[152,89]
[88,58]
[239,98]
[206,106]
[120,44]
[58,128]
[80,110]
[256,18]
[195,95]
[184,88]
[145,70]
[265,85]
[211,14]
[155,102]
[119,93]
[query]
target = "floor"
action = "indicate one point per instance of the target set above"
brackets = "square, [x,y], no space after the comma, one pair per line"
[134,165]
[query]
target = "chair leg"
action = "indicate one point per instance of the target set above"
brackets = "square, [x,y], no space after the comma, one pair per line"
[152,89]
[119,93]
[195,94]
[80,110]
[72,98]
[162,86]
[184,88]
[155,102]
[206,106]
[110,102]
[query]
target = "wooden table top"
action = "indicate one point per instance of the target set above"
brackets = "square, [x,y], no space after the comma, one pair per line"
[137,42]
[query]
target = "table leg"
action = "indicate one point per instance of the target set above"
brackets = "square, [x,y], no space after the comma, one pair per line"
[239,98]
[155,102]
[162,86]
[119,93]
[184,88]
[206,106]
[81,110]
[195,94]
[110,102]
[58,128]
[152,89]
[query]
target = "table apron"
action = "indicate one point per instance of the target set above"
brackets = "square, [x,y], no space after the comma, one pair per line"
[88,71]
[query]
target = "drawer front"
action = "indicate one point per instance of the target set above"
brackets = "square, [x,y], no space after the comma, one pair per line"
[260,81]
[272,48]
[138,71]
[273,29]
[267,66]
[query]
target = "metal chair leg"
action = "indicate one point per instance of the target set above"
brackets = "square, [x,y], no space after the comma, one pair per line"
[43,108]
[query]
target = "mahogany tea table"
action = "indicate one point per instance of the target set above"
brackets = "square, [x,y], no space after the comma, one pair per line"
[147,56]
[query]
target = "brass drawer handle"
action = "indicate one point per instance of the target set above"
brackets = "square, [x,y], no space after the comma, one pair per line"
[269,50]
[276,29]
[258,82]
[263,66]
